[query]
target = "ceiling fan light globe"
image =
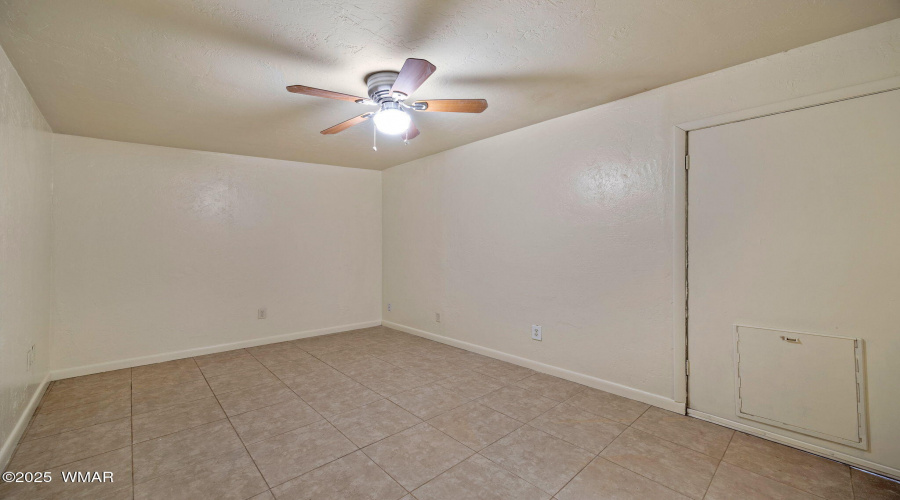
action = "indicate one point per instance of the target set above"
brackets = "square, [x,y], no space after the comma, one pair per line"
[391,121]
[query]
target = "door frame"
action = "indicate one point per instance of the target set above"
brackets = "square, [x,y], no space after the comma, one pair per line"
[680,238]
[680,230]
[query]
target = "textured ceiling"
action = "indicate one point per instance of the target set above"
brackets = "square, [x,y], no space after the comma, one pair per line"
[210,74]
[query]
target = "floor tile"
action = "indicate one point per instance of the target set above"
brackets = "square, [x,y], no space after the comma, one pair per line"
[300,368]
[416,455]
[169,453]
[186,377]
[386,379]
[147,372]
[293,453]
[344,357]
[550,387]
[441,369]
[473,385]
[314,382]
[535,432]
[96,380]
[734,483]
[391,381]
[60,397]
[340,396]
[118,462]
[578,427]
[170,372]
[75,417]
[361,367]
[231,475]
[237,402]
[272,420]
[374,421]
[705,437]
[475,425]
[478,477]
[353,477]
[539,458]
[796,468]
[239,380]
[176,418]
[157,397]
[405,359]
[209,359]
[378,349]
[517,403]
[428,401]
[676,467]
[610,406]
[71,446]
[222,363]
[873,487]
[282,353]
[505,372]
[321,344]
[602,480]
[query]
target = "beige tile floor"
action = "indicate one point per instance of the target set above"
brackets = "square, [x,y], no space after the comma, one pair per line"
[380,414]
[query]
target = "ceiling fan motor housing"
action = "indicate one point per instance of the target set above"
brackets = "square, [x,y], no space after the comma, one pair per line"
[380,84]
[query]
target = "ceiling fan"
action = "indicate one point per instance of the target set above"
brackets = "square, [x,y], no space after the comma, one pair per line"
[389,90]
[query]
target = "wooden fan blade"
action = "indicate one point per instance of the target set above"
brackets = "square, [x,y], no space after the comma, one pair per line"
[413,132]
[340,127]
[453,105]
[302,89]
[412,75]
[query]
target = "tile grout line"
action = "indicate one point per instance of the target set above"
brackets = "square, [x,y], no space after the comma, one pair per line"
[422,420]
[637,473]
[500,466]
[629,426]
[777,481]
[383,397]
[246,450]
[269,488]
[477,401]
[679,444]
[718,464]
[292,430]
[596,455]
[358,448]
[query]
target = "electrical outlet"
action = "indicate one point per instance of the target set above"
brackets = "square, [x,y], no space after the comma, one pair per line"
[536,332]
[261,313]
[437,317]
[389,308]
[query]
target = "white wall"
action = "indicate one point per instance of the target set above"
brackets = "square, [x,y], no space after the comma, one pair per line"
[25,293]
[160,251]
[569,223]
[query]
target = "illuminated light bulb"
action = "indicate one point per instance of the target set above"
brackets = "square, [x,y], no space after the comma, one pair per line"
[391,121]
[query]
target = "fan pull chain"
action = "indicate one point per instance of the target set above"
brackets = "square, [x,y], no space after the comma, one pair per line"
[406,141]
[374,137]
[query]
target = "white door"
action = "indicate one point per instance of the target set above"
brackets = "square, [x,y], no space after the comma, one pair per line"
[794,226]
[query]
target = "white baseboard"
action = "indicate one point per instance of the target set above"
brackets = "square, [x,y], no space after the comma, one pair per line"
[794,443]
[596,383]
[199,351]
[9,446]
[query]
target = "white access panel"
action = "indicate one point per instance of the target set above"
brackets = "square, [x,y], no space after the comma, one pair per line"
[794,224]
[804,382]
